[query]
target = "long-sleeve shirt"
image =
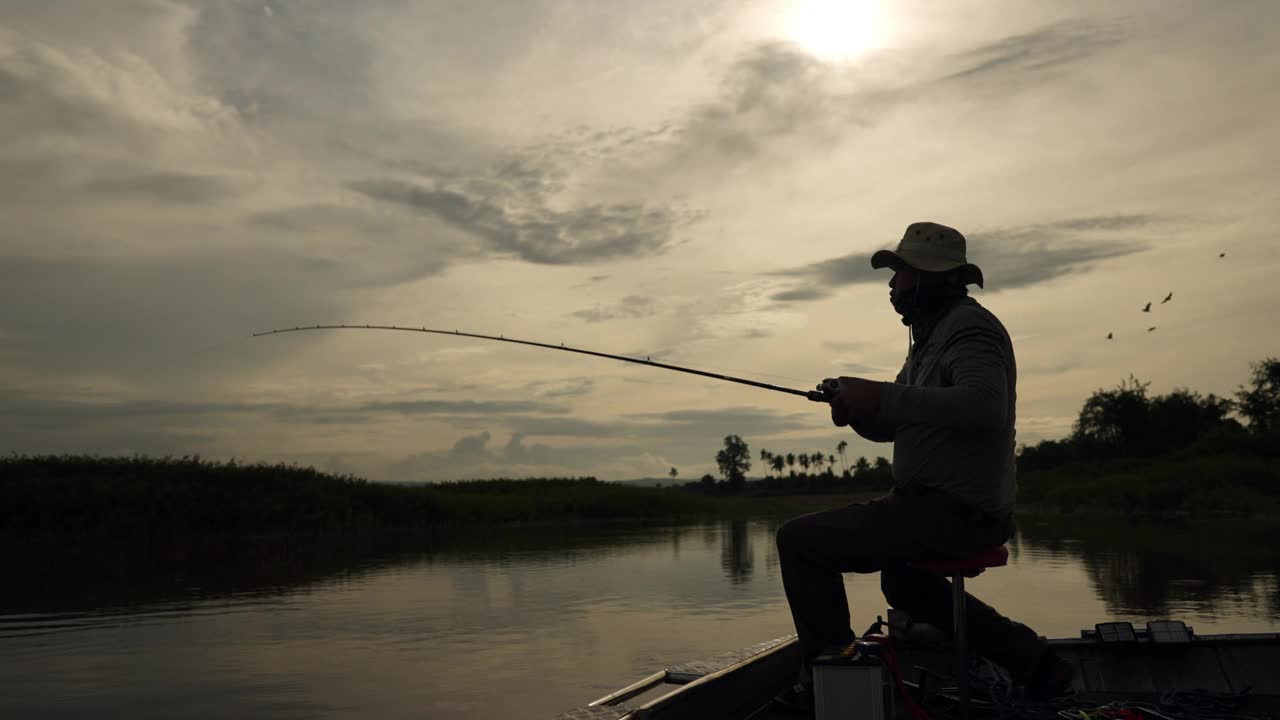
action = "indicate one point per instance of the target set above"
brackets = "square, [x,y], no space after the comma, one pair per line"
[950,412]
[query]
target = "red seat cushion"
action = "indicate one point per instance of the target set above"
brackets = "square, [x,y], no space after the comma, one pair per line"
[970,566]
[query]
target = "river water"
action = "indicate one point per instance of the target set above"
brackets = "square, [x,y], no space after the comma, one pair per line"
[519,623]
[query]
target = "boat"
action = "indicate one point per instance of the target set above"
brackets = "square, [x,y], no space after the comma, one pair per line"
[1163,671]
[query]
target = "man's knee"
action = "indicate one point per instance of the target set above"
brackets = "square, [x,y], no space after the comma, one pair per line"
[793,534]
[786,536]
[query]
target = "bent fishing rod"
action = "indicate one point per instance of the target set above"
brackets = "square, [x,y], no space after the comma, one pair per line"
[823,393]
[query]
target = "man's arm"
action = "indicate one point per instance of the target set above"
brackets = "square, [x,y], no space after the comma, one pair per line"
[977,399]
[876,429]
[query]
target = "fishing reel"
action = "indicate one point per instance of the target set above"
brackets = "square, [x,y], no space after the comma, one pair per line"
[826,390]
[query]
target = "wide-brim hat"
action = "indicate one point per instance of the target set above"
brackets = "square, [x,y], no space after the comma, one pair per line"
[930,247]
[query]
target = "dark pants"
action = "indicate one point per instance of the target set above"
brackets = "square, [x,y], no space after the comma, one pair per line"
[885,535]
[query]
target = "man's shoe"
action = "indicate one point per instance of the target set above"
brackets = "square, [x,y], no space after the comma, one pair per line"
[1051,678]
[795,700]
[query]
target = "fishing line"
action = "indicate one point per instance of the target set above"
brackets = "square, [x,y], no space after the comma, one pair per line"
[826,389]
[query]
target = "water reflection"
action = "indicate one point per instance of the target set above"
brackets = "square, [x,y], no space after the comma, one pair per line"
[1134,567]
[412,625]
[1152,567]
[737,555]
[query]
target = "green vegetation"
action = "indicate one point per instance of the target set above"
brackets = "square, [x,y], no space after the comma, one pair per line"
[872,477]
[734,461]
[88,495]
[1175,453]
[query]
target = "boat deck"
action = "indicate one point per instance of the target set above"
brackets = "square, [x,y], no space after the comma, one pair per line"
[1215,676]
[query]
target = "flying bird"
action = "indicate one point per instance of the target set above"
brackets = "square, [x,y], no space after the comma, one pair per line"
[1147,308]
[1151,328]
[1167,298]
[1222,254]
[1108,336]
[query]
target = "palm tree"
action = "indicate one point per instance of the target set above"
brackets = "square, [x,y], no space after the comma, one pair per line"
[862,467]
[816,459]
[765,457]
[840,448]
[778,462]
[791,463]
[804,462]
[831,464]
[674,472]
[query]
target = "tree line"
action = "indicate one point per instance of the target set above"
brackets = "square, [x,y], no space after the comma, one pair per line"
[816,474]
[1128,422]
[1181,451]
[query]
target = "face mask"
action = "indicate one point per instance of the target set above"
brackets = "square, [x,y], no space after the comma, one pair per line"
[904,302]
[922,301]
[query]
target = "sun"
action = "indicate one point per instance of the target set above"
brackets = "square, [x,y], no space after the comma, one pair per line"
[834,30]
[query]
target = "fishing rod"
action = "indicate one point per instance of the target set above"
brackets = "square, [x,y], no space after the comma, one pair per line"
[823,393]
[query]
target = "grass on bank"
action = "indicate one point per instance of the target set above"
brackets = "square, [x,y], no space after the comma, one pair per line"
[90,495]
[1221,484]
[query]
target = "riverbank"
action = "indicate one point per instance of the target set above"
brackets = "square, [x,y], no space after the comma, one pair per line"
[83,496]
[95,496]
[1183,484]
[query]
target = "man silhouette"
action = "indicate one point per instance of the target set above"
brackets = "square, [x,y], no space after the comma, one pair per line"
[950,415]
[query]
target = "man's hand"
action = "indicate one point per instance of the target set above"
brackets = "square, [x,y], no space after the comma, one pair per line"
[857,400]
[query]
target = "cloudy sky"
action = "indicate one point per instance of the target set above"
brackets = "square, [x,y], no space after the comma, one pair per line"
[700,181]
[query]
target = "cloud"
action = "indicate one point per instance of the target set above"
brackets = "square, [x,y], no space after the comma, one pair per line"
[85,96]
[1015,56]
[174,187]
[773,91]
[63,413]
[845,345]
[773,100]
[142,316]
[567,426]
[675,428]
[523,226]
[1010,258]
[299,63]
[109,315]
[472,457]
[799,295]
[1022,256]
[578,387]
[852,367]
[739,420]
[320,216]
[591,281]
[631,306]
[776,99]
[470,447]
